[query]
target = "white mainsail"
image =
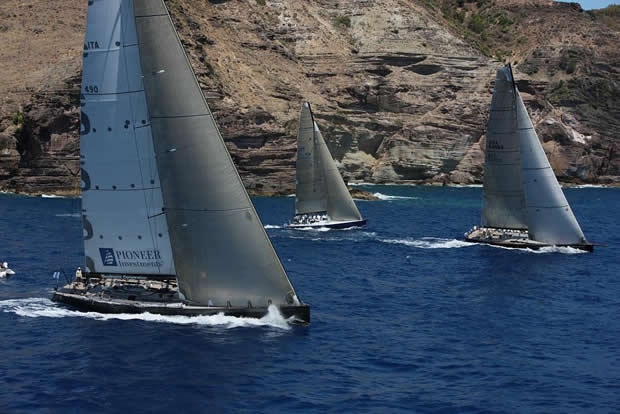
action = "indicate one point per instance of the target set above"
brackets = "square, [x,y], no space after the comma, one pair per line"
[125,231]
[504,205]
[320,186]
[221,251]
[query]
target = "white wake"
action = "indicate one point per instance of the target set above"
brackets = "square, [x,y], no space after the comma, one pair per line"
[45,308]
[430,243]
[272,226]
[387,197]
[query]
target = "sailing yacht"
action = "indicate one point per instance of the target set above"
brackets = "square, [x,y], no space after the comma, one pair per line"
[322,198]
[524,205]
[168,225]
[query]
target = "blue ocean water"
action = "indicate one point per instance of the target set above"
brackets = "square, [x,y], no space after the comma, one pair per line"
[406,317]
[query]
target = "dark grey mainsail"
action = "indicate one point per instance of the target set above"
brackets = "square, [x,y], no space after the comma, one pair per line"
[168,225]
[320,187]
[221,251]
[524,205]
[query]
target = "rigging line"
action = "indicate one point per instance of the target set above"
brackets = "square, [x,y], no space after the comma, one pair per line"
[150,15]
[183,116]
[198,210]
[548,207]
[536,168]
[124,190]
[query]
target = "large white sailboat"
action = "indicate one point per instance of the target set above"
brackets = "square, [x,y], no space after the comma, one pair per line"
[168,225]
[524,205]
[322,198]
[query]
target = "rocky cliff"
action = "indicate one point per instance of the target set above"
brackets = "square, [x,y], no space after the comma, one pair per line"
[400,88]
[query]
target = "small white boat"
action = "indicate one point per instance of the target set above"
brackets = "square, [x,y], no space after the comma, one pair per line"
[5,271]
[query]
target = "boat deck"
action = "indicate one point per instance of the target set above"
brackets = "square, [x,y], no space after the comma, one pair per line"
[513,238]
[109,295]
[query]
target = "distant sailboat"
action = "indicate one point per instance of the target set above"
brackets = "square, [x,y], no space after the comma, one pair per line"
[322,198]
[524,205]
[168,226]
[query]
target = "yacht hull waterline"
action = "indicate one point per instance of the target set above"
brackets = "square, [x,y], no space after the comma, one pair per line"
[515,239]
[84,299]
[329,224]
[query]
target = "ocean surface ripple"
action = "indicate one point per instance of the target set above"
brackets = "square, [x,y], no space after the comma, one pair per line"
[406,317]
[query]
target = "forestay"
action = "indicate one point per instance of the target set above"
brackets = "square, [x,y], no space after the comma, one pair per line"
[125,231]
[221,251]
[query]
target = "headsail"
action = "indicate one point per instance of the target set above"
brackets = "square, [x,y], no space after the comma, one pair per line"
[125,231]
[320,186]
[340,204]
[221,251]
[549,217]
[311,189]
[504,205]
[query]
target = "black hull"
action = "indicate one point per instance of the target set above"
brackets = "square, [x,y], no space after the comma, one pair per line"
[343,225]
[92,304]
[527,245]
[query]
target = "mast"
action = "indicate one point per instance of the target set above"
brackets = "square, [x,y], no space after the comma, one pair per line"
[221,251]
[504,203]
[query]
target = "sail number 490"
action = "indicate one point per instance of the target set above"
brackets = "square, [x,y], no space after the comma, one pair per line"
[91,89]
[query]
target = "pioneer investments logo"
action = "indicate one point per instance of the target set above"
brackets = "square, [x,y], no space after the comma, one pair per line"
[131,258]
[107,256]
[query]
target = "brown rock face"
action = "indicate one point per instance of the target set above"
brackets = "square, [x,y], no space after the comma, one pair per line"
[400,89]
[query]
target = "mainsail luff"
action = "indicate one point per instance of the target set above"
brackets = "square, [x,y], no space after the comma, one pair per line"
[311,189]
[124,230]
[340,204]
[222,253]
[504,204]
[549,216]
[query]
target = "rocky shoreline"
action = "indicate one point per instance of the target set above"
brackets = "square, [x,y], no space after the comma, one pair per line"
[401,89]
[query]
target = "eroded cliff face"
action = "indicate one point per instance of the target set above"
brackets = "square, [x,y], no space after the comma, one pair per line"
[400,89]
